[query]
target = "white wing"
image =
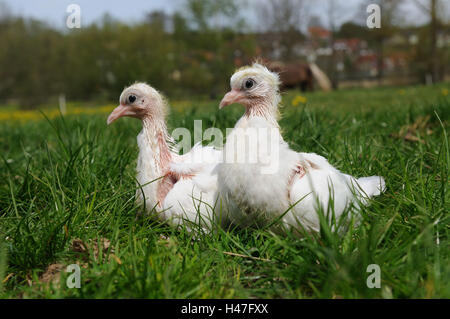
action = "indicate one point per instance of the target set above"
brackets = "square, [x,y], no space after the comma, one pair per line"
[199,164]
[193,196]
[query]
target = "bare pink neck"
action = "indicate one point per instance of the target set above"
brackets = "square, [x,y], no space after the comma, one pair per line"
[262,108]
[158,137]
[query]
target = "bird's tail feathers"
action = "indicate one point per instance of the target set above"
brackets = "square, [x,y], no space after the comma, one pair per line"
[373,185]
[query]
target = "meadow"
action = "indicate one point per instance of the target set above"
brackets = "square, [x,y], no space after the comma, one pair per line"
[67,197]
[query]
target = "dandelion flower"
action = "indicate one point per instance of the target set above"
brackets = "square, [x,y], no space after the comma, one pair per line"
[299,99]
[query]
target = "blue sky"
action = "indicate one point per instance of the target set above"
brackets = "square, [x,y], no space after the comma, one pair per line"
[54,11]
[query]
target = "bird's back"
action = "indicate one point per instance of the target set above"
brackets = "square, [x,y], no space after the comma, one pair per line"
[194,195]
[325,188]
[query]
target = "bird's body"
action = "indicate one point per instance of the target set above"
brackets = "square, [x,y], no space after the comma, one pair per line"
[182,189]
[270,179]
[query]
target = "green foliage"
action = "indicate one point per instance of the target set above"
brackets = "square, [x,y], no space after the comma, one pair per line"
[207,40]
[3,262]
[203,12]
[38,63]
[73,177]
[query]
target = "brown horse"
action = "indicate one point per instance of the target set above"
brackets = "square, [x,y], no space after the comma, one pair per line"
[294,75]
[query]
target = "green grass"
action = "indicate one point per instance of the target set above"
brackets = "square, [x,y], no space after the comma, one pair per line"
[73,177]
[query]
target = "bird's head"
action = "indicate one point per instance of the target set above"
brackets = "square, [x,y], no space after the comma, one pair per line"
[253,86]
[140,101]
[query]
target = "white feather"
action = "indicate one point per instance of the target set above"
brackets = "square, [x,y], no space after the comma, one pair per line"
[192,192]
[252,197]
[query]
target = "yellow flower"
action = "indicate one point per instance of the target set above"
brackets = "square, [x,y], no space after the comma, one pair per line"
[444,92]
[299,99]
[402,92]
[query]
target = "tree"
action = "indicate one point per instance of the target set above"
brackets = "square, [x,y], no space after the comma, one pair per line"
[433,9]
[5,12]
[285,18]
[209,14]
[158,20]
[389,17]
[352,30]
[332,12]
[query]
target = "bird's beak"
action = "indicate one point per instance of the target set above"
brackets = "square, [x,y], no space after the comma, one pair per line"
[118,112]
[234,96]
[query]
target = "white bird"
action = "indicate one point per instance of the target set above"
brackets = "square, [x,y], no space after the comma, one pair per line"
[261,178]
[181,188]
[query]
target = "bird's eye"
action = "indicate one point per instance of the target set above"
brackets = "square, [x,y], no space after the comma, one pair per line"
[249,83]
[132,98]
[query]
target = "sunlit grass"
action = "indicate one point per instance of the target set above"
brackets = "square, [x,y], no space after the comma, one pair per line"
[72,177]
[41,114]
